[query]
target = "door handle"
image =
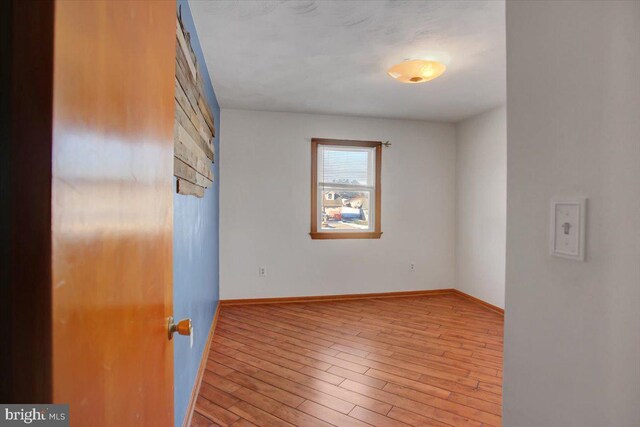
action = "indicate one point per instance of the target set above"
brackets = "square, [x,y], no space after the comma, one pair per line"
[183,327]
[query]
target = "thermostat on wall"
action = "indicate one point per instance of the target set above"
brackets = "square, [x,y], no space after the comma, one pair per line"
[568,217]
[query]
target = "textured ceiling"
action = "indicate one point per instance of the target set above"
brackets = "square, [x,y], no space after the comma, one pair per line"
[331,56]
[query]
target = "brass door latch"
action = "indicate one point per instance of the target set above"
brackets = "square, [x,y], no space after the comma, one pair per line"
[183,327]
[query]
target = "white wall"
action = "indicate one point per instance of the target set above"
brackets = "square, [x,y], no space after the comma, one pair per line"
[572,346]
[265,203]
[481,208]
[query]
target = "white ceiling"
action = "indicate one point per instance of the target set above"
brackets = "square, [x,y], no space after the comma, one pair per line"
[331,56]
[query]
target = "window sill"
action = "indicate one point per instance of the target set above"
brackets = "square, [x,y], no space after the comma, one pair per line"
[319,235]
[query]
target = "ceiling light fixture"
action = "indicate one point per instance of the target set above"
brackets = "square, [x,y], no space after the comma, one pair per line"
[416,71]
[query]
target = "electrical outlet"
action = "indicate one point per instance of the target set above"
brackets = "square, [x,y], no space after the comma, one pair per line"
[412,267]
[262,271]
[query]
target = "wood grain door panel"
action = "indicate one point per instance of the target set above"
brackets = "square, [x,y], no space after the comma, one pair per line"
[112,211]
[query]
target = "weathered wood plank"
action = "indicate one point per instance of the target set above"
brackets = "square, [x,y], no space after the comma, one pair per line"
[182,68]
[184,137]
[185,78]
[202,181]
[188,89]
[189,189]
[204,107]
[194,93]
[182,118]
[183,99]
[182,42]
[208,117]
[189,156]
[193,112]
[187,37]
[202,125]
[184,171]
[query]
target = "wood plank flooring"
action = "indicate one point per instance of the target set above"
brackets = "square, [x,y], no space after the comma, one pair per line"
[415,361]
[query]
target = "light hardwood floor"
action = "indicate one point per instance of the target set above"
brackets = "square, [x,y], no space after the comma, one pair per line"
[418,361]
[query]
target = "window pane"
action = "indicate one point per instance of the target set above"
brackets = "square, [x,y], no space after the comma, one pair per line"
[346,165]
[345,209]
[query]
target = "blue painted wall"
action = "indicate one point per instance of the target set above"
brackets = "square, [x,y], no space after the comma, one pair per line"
[195,255]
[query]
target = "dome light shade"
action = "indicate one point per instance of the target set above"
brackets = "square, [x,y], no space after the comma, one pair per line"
[416,71]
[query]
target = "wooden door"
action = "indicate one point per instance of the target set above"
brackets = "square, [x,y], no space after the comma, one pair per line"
[112,211]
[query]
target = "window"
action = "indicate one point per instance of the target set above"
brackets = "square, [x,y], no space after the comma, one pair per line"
[345,189]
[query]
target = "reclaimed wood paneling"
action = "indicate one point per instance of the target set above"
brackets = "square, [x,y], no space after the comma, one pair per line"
[189,189]
[185,122]
[184,171]
[208,116]
[194,127]
[182,44]
[187,151]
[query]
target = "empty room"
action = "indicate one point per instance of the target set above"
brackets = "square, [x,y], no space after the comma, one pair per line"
[320,213]
[362,212]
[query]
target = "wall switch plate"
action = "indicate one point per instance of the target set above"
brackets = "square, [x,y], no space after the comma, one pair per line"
[568,225]
[412,267]
[262,271]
